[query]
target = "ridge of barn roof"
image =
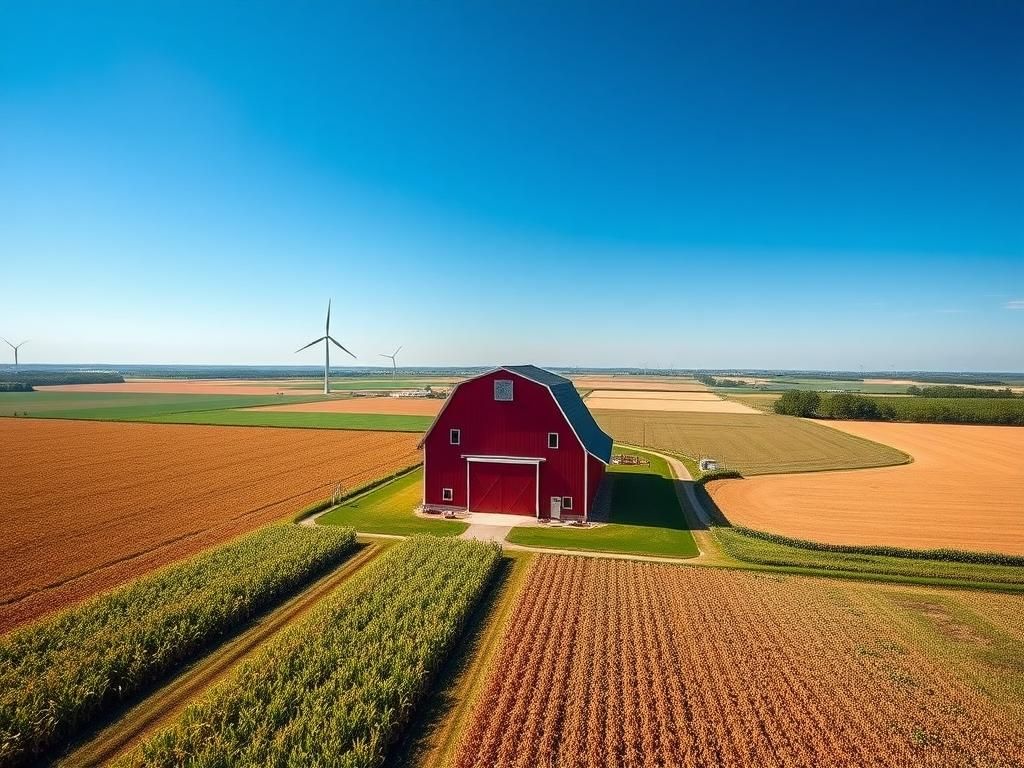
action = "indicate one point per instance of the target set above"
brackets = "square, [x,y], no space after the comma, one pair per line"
[594,439]
[539,375]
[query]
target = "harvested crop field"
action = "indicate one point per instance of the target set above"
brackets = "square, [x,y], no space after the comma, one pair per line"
[401,406]
[665,384]
[643,400]
[638,664]
[754,444]
[88,505]
[187,387]
[964,490]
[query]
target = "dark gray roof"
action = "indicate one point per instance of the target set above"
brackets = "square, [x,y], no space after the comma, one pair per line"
[595,441]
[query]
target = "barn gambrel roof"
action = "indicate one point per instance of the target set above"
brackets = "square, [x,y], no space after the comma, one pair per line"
[595,441]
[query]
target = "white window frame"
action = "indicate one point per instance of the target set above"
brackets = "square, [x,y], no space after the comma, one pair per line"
[447,494]
[455,436]
[567,503]
[557,440]
[511,390]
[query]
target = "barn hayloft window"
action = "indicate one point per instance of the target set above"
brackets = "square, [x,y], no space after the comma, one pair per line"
[503,390]
[447,494]
[552,439]
[455,436]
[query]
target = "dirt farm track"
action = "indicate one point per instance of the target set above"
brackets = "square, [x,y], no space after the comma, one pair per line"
[964,490]
[85,506]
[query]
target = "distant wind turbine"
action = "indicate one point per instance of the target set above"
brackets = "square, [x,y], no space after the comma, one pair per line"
[391,357]
[15,347]
[327,339]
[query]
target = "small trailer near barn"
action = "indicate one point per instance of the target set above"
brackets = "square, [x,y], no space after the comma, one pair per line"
[516,440]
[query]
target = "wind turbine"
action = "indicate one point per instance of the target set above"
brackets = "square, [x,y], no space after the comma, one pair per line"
[15,348]
[327,339]
[394,365]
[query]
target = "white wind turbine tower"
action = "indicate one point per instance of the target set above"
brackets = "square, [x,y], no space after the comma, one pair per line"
[15,347]
[391,357]
[327,339]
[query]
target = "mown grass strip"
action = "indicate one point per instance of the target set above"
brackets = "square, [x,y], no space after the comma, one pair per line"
[60,676]
[337,688]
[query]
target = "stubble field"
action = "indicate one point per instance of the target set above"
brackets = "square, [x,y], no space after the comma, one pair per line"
[964,490]
[753,444]
[636,664]
[85,506]
[646,400]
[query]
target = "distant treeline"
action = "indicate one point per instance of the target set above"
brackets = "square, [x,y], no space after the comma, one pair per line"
[954,391]
[955,378]
[932,410]
[15,386]
[46,378]
[711,381]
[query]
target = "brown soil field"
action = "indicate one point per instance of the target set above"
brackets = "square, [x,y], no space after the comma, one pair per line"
[964,489]
[403,406]
[619,663]
[909,382]
[182,387]
[664,384]
[85,506]
[683,402]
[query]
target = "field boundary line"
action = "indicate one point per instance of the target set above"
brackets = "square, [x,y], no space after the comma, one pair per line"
[468,672]
[166,701]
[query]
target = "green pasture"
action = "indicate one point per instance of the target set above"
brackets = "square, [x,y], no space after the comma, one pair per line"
[646,518]
[382,422]
[219,410]
[126,406]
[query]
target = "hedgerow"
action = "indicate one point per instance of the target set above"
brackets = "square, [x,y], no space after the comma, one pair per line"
[946,555]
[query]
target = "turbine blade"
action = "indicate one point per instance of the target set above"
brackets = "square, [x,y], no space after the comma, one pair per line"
[335,342]
[327,328]
[396,352]
[8,343]
[383,355]
[314,341]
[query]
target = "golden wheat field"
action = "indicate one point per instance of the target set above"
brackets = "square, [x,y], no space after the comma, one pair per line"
[618,663]
[85,506]
[964,490]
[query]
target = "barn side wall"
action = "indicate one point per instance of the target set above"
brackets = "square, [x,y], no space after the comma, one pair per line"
[517,428]
[595,473]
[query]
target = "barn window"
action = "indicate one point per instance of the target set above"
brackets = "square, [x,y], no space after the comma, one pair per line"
[455,436]
[447,494]
[552,439]
[567,502]
[503,390]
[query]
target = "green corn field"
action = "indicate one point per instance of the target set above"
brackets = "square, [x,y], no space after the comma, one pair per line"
[336,688]
[61,675]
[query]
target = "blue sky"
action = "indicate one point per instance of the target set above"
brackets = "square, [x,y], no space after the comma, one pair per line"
[706,184]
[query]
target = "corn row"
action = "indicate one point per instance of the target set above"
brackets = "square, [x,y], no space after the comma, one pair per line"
[59,676]
[335,689]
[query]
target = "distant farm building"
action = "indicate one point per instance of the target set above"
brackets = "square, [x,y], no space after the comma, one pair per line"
[708,465]
[517,440]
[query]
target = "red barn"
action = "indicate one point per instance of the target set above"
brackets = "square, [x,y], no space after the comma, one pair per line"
[517,440]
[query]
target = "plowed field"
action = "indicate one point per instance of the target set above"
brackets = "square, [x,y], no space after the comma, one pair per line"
[617,663]
[646,400]
[964,490]
[85,506]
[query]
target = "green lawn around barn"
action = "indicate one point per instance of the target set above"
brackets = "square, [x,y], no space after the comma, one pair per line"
[646,518]
[389,509]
